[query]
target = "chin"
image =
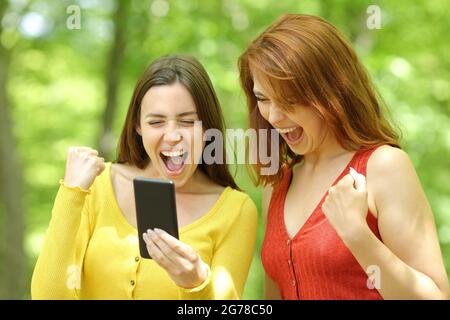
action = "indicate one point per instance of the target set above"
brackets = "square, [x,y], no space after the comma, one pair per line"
[297,150]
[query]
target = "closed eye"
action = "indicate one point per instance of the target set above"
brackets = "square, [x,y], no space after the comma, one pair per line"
[261,99]
[156,122]
[182,122]
[187,122]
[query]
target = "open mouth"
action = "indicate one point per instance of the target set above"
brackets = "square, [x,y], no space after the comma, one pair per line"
[174,161]
[292,135]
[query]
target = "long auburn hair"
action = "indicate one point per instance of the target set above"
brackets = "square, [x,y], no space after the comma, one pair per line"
[165,71]
[304,60]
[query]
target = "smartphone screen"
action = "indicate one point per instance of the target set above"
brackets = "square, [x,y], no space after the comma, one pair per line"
[155,208]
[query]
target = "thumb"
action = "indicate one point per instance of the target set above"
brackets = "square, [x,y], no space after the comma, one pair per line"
[360,180]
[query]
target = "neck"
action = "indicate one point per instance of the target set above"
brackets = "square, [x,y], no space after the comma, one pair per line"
[328,150]
[148,172]
[194,184]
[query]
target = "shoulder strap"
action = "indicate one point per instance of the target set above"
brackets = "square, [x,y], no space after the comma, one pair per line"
[360,164]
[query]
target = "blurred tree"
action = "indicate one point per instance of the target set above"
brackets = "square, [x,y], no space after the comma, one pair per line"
[12,276]
[107,141]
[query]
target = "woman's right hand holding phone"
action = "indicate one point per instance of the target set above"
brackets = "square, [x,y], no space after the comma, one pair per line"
[82,167]
[182,263]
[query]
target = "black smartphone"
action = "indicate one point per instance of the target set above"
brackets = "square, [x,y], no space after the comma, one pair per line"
[155,208]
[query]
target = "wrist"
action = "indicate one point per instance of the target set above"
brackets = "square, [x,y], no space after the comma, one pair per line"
[202,281]
[357,232]
[74,186]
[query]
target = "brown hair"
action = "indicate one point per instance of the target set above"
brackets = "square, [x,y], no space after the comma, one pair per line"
[165,71]
[304,60]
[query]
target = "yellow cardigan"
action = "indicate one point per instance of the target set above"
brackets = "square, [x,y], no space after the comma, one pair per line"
[92,252]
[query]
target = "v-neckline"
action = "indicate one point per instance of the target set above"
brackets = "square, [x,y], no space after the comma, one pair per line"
[124,222]
[314,211]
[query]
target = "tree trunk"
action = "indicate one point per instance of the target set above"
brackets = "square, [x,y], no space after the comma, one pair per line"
[12,276]
[106,142]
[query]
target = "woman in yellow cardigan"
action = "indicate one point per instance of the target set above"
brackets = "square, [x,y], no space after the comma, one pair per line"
[91,249]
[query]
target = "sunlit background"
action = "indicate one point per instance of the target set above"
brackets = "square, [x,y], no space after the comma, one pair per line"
[63,86]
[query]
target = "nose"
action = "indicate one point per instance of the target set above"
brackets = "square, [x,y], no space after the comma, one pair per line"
[172,134]
[275,114]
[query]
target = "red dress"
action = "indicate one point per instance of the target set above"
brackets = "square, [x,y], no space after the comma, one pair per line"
[315,263]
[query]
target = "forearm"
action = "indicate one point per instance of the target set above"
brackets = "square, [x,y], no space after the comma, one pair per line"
[231,261]
[57,273]
[397,279]
[219,285]
[226,275]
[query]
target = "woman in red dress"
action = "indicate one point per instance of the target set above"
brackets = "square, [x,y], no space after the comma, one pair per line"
[346,215]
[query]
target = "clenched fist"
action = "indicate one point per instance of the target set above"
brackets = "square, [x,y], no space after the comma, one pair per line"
[82,166]
[346,204]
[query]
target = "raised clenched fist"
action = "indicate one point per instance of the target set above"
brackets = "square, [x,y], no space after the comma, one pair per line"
[82,166]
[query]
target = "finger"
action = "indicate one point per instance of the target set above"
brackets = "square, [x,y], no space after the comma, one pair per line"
[164,247]
[181,248]
[92,152]
[325,205]
[155,252]
[86,155]
[101,168]
[360,180]
[331,190]
[347,180]
[89,153]
[84,149]
[71,150]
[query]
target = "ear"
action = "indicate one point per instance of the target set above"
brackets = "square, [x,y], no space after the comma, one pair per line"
[138,130]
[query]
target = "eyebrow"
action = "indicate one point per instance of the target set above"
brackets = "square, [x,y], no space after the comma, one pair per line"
[183,114]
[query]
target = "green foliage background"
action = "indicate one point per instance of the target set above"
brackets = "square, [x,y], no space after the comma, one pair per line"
[57,81]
